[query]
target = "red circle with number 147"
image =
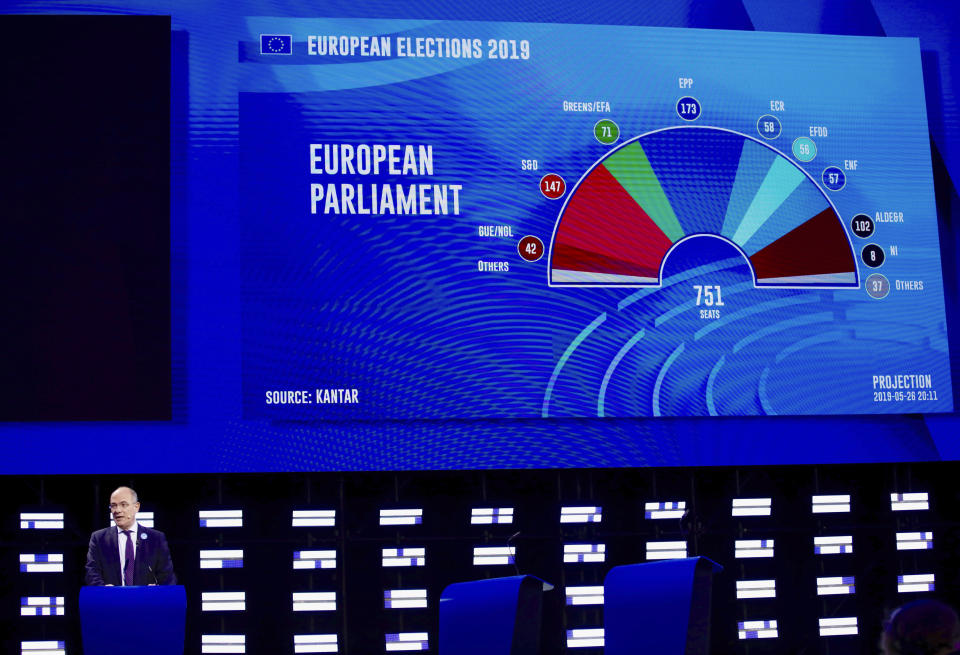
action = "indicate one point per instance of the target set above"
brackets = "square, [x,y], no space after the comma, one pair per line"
[552,186]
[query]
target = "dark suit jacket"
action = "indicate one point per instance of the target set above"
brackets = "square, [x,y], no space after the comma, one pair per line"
[152,564]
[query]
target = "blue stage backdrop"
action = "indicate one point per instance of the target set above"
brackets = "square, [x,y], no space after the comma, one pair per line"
[410,236]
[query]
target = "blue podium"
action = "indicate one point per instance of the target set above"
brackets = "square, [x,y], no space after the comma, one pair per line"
[500,616]
[154,616]
[659,607]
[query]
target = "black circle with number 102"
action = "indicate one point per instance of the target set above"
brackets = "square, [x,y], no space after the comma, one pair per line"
[862,226]
[688,108]
[872,255]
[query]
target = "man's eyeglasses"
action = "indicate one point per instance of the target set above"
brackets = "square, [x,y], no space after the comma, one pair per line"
[123,505]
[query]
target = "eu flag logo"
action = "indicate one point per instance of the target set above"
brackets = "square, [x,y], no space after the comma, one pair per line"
[276,44]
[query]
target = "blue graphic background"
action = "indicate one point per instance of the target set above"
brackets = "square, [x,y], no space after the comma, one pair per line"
[395,305]
[210,431]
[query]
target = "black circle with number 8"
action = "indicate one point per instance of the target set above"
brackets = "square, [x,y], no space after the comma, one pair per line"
[872,255]
[530,248]
[862,225]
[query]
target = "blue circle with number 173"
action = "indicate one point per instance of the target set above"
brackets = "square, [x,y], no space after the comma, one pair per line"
[833,178]
[688,108]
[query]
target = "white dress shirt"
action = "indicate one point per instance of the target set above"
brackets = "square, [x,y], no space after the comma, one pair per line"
[122,544]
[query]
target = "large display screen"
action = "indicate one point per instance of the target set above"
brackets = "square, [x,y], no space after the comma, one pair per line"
[400,239]
[474,220]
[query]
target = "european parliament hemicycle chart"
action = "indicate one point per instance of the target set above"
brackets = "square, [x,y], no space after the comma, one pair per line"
[516,220]
[621,221]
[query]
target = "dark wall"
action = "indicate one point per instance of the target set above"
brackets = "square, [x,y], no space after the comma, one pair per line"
[269,541]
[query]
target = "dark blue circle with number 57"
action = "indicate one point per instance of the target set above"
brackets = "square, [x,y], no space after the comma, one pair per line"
[833,178]
[688,108]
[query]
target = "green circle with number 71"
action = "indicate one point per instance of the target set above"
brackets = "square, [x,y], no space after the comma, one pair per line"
[606,131]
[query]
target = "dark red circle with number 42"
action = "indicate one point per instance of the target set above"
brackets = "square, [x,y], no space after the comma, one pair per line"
[552,186]
[530,248]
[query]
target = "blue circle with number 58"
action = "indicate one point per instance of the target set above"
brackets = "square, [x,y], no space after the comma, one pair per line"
[769,126]
[688,108]
[833,178]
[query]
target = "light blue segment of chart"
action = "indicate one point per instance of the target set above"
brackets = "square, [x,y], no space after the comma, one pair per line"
[780,181]
[804,203]
[755,160]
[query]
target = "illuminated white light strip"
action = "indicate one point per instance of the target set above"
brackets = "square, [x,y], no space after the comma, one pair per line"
[315,559]
[834,586]
[404,556]
[221,523]
[751,507]
[41,606]
[221,518]
[401,516]
[833,545]
[916,582]
[51,567]
[831,504]
[41,562]
[394,599]
[670,510]
[581,514]
[911,501]
[41,520]
[314,518]
[315,643]
[584,553]
[223,643]
[838,626]
[490,515]
[494,555]
[914,540]
[584,595]
[43,648]
[666,550]
[221,513]
[756,589]
[407,641]
[146,519]
[223,601]
[750,548]
[585,638]
[221,559]
[757,629]
[41,601]
[315,601]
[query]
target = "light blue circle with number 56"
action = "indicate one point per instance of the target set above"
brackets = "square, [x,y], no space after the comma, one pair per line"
[804,149]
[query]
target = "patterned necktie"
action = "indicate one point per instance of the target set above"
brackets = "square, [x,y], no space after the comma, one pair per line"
[128,560]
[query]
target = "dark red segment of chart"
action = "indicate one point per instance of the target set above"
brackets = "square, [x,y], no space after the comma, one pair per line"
[818,246]
[604,230]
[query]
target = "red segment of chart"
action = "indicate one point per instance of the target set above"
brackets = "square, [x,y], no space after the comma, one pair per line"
[818,246]
[604,230]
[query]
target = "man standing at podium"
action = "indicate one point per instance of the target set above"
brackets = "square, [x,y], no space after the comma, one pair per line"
[128,553]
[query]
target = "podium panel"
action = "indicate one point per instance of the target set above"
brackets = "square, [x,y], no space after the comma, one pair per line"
[659,607]
[156,615]
[500,616]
